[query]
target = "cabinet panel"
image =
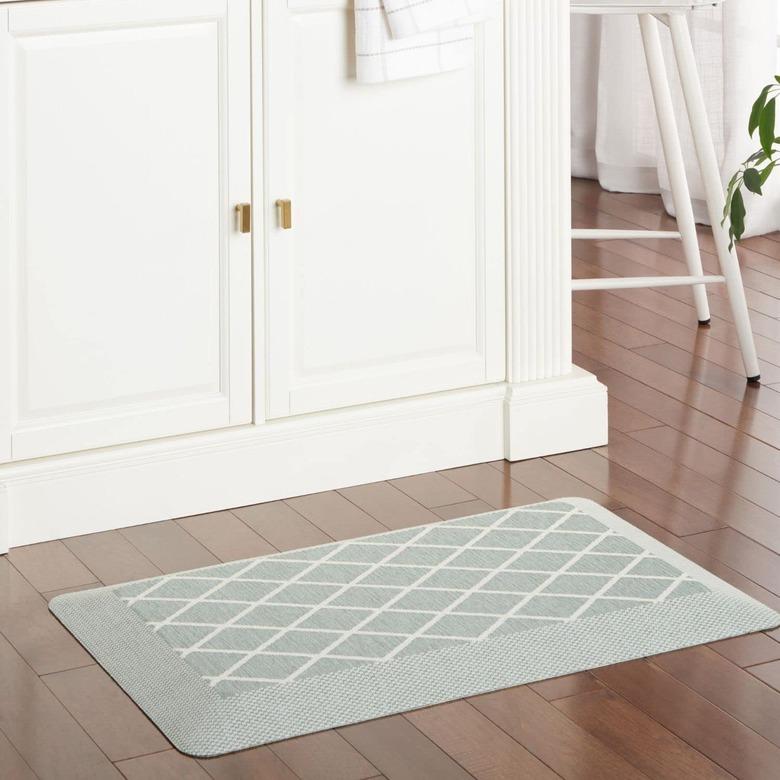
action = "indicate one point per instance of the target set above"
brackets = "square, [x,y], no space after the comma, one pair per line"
[390,282]
[129,285]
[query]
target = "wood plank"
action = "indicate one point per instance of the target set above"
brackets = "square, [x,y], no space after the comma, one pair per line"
[588,363]
[260,762]
[752,421]
[702,342]
[226,536]
[324,756]
[389,505]
[111,557]
[12,765]
[756,252]
[25,621]
[634,491]
[560,743]
[493,487]
[639,739]
[168,765]
[768,673]
[587,216]
[477,744]
[50,566]
[748,650]
[169,547]
[465,509]
[758,488]
[713,498]
[335,516]
[613,330]
[762,245]
[669,258]
[616,205]
[106,713]
[551,482]
[723,683]
[676,303]
[703,725]
[763,308]
[627,419]
[570,685]
[730,383]
[41,729]
[50,594]
[620,258]
[432,490]
[402,752]
[282,526]
[741,554]
[678,415]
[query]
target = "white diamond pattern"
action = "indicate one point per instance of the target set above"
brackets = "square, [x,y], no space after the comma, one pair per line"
[304,613]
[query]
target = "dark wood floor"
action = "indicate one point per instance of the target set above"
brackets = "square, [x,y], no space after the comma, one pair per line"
[693,459]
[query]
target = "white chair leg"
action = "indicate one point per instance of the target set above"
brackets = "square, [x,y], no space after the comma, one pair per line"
[675,162]
[713,187]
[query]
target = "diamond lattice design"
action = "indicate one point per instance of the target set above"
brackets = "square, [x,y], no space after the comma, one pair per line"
[266,621]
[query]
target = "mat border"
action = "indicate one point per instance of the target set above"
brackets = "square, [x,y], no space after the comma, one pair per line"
[202,723]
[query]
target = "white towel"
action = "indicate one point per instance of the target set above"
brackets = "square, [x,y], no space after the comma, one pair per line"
[399,39]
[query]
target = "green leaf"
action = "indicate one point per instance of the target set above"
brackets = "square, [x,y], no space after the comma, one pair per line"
[736,180]
[766,172]
[757,158]
[777,79]
[758,107]
[738,214]
[753,180]
[766,127]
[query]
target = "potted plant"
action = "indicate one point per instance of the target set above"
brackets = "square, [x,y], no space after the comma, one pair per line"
[755,171]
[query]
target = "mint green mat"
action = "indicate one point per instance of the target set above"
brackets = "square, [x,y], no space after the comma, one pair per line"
[249,652]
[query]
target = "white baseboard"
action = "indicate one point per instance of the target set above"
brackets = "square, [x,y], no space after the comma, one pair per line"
[555,415]
[4,520]
[63,496]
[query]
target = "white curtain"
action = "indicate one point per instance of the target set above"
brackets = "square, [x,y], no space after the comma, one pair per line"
[614,131]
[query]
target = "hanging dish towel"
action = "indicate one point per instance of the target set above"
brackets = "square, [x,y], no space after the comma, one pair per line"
[399,39]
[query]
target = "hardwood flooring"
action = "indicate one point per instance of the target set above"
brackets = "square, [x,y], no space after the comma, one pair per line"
[693,459]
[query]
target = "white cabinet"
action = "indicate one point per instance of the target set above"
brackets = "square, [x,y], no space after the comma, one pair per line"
[402,325]
[391,281]
[125,286]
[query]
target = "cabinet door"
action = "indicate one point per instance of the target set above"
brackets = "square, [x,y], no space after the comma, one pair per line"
[391,281]
[124,149]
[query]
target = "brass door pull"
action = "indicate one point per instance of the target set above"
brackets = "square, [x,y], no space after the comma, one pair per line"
[244,212]
[284,208]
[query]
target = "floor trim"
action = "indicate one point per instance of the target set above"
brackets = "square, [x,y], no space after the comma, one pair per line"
[117,487]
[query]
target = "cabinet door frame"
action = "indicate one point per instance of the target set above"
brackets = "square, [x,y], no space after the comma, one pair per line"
[284,400]
[129,420]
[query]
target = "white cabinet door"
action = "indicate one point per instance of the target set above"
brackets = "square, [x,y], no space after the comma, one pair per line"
[126,286]
[391,281]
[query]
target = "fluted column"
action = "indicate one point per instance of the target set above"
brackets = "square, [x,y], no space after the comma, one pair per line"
[539,188]
[551,406]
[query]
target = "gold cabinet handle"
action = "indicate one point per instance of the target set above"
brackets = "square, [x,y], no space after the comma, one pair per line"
[284,209]
[244,213]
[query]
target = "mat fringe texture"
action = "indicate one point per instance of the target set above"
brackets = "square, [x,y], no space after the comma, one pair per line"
[249,652]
